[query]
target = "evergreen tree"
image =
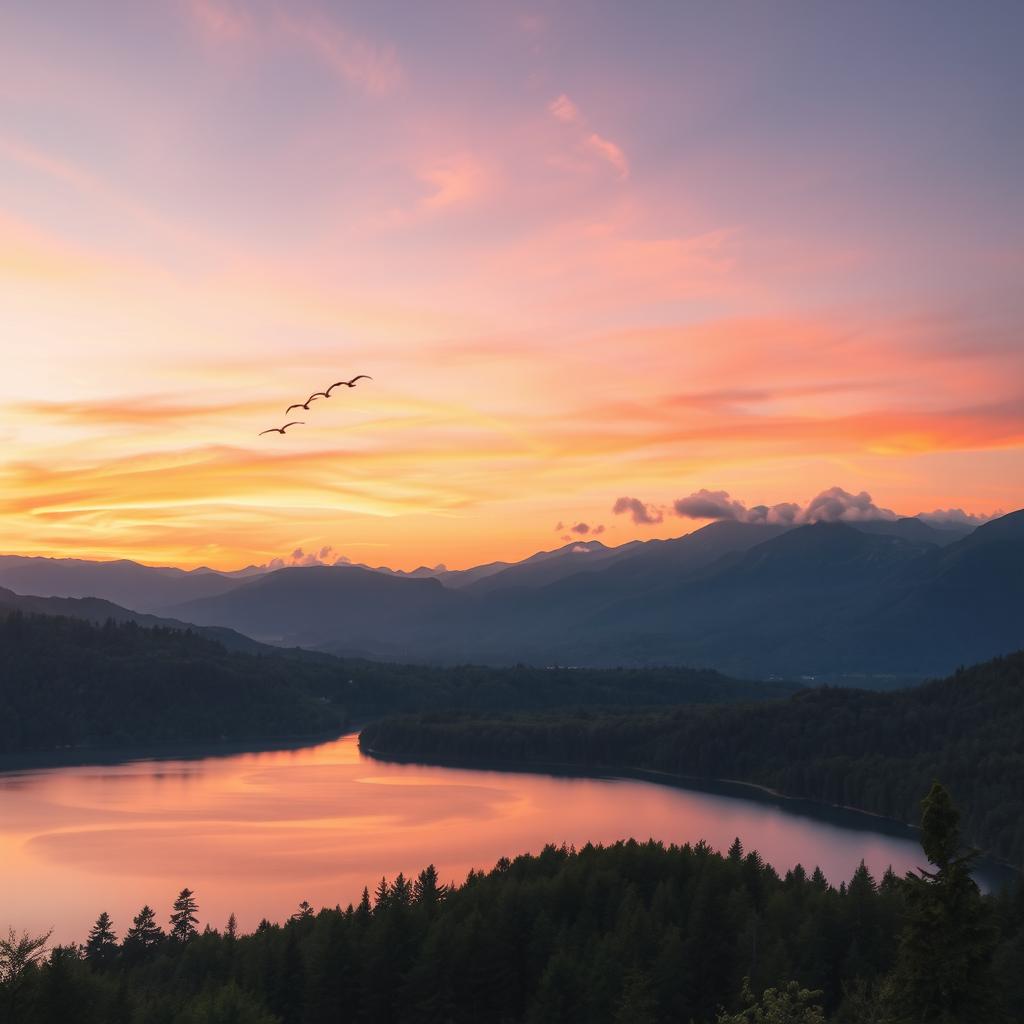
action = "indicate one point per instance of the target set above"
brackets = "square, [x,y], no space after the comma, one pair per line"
[304,913]
[183,917]
[943,972]
[144,935]
[231,928]
[789,1005]
[101,946]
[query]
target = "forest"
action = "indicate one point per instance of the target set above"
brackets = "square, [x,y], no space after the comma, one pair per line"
[67,683]
[634,933]
[873,751]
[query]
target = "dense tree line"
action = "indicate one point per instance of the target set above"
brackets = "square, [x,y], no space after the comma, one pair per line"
[635,933]
[873,751]
[69,683]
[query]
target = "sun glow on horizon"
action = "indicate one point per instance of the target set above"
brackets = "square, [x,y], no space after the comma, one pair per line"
[612,267]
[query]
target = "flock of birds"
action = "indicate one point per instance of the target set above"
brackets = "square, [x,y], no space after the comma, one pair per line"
[312,398]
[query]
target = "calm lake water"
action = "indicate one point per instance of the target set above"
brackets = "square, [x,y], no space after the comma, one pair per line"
[255,833]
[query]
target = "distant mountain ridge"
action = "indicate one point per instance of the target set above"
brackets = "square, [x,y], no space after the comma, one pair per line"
[879,598]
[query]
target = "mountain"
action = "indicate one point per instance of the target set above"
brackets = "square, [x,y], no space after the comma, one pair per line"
[340,605]
[143,588]
[548,566]
[97,611]
[912,528]
[881,603]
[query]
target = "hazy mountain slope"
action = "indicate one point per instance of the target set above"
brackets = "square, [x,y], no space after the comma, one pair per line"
[98,611]
[912,528]
[550,566]
[350,608]
[141,587]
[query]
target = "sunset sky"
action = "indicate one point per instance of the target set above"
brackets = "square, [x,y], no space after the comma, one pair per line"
[587,252]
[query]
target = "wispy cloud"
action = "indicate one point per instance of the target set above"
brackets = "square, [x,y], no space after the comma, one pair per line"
[564,110]
[609,152]
[351,57]
[348,55]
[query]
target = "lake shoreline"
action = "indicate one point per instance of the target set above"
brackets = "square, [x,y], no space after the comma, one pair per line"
[83,757]
[817,810]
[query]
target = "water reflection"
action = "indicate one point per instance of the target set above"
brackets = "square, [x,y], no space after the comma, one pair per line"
[255,833]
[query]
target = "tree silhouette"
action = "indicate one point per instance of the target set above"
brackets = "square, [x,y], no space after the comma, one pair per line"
[18,955]
[183,917]
[101,946]
[144,935]
[943,972]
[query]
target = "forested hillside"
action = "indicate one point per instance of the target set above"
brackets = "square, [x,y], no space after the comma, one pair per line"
[873,751]
[635,933]
[69,683]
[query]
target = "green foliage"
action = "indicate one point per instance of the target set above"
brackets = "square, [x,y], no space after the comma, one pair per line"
[789,1005]
[944,968]
[634,932]
[878,752]
[69,684]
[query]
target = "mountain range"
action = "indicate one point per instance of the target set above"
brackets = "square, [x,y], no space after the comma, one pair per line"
[865,600]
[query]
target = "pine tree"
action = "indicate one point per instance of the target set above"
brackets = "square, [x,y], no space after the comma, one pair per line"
[144,935]
[304,913]
[231,928]
[943,972]
[101,946]
[183,917]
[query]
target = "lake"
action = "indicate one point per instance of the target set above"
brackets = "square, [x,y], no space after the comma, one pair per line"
[255,833]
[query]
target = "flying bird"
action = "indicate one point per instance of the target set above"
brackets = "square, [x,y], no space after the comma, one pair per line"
[303,405]
[348,383]
[281,430]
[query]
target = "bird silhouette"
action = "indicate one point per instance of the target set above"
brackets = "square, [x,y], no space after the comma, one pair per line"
[303,405]
[348,383]
[281,430]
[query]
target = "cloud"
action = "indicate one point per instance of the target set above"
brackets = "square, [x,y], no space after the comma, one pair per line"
[348,56]
[219,20]
[565,111]
[833,505]
[299,557]
[642,515]
[459,179]
[610,152]
[830,506]
[705,504]
[581,530]
[375,68]
[957,517]
[838,506]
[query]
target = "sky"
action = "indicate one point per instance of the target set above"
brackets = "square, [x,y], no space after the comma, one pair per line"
[595,256]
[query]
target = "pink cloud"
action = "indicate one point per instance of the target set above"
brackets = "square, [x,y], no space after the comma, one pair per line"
[563,109]
[352,58]
[458,180]
[609,152]
[219,21]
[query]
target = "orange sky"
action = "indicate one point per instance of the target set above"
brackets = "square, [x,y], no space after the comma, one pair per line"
[582,258]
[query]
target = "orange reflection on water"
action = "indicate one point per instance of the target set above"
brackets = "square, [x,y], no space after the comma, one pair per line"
[256,833]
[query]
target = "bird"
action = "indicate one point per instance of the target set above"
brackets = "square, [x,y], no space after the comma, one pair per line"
[281,430]
[348,383]
[303,405]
